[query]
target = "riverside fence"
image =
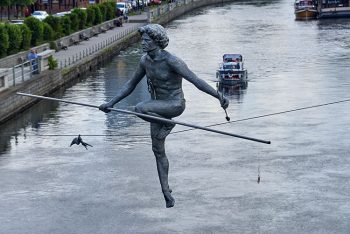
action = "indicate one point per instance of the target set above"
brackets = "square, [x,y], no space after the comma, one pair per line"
[87,51]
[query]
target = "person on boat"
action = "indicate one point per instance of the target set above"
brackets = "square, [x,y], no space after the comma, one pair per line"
[164,73]
[238,65]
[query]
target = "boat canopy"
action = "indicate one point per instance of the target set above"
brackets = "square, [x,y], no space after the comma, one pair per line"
[232,57]
[304,3]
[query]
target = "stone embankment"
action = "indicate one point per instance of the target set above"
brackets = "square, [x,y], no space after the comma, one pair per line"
[85,56]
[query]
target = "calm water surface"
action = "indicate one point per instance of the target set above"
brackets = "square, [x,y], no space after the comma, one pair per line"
[48,187]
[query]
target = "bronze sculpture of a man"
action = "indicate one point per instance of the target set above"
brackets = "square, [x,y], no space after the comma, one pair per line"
[164,73]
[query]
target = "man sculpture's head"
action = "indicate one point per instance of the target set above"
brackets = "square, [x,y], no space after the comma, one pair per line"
[157,33]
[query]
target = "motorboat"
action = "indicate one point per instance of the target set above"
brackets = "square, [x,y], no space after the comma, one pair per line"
[231,70]
[305,10]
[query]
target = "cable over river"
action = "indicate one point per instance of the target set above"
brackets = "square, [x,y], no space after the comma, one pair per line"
[48,187]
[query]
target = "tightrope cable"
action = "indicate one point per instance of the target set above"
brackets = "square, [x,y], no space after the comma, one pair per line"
[266,115]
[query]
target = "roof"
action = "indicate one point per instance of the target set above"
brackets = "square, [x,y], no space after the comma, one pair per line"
[230,57]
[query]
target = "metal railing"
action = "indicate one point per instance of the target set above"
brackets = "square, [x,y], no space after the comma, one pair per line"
[24,71]
[73,59]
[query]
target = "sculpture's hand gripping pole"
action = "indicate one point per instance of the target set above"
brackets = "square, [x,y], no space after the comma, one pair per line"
[150,117]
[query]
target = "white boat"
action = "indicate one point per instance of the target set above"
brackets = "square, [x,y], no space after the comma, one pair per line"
[231,71]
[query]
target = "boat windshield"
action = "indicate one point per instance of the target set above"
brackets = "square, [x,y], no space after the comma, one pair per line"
[231,66]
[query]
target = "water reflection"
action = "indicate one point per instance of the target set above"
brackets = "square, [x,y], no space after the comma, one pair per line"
[332,24]
[235,91]
[29,120]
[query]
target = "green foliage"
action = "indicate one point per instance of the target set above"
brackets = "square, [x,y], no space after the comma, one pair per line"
[26,37]
[98,15]
[53,46]
[15,38]
[4,39]
[55,24]
[36,26]
[82,16]
[53,64]
[74,21]
[90,15]
[23,2]
[103,10]
[110,10]
[49,34]
[66,25]
[5,3]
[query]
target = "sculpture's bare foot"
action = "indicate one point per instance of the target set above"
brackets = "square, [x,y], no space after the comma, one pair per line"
[169,200]
[165,130]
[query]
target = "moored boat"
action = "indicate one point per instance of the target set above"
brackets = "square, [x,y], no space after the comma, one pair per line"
[231,71]
[334,9]
[305,10]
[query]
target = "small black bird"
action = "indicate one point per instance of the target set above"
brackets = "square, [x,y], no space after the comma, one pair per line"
[78,140]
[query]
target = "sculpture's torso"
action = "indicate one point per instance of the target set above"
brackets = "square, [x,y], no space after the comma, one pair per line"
[165,83]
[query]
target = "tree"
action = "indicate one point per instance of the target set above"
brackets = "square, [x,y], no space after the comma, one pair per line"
[74,21]
[66,24]
[55,24]
[90,15]
[4,38]
[4,3]
[110,10]
[36,26]
[98,15]
[15,38]
[49,34]
[22,3]
[82,16]
[27,37]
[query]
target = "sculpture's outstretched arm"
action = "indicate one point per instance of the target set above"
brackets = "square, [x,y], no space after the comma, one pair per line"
[127,88]
[181,68]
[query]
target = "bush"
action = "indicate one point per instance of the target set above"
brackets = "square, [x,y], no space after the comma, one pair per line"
[4,38]
[90,16]
[66,23]
[98,15]
[53,46]
[103,10]
[110,10]
[82,16]
[26,37]
[53,64]
[36,26]
[74,21]
[55,24]
[49,34]
[15,38]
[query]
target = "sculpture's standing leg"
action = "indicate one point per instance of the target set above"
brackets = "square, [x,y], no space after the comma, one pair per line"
[158,147]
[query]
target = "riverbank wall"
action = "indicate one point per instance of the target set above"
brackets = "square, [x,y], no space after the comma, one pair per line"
[47,82]
[174,12]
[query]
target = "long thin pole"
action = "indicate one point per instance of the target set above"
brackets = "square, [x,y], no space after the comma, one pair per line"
[149,117]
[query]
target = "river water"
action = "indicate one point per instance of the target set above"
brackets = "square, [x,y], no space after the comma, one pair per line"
[48,187]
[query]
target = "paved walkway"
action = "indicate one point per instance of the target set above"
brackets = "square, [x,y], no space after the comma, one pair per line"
[75,53]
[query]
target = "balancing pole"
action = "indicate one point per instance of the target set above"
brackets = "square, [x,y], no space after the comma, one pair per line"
[149,117]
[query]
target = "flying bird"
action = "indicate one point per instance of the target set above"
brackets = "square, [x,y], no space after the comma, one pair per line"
[78,140]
